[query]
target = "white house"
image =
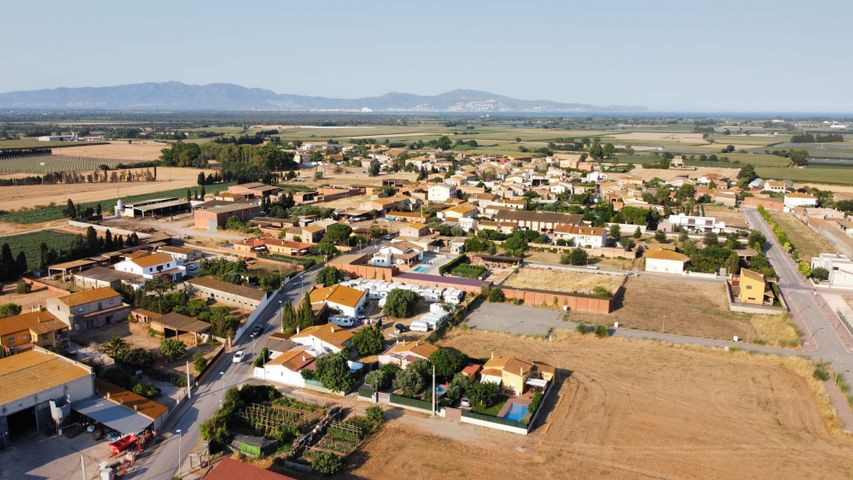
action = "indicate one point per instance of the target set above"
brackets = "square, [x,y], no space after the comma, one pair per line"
[665,261]
[404,353]
[581,235]
[696,224]
[325,338]
[794,200]
[153,265]
[441,193]
[840,268]
[777,186]
[287,367]
[401,253]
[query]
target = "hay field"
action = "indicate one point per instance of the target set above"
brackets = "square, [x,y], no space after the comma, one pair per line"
[139,150]
[562,280]
[808,242]
[26,196]
[730,215]
[632,410]
[667,175]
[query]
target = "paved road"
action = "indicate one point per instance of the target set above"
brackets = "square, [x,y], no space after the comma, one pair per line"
[162,463]
[826,338]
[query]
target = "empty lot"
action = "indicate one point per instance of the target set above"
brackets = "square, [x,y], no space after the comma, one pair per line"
[515,319]
[559,280]
[139,150]
[690,308]
[632,410]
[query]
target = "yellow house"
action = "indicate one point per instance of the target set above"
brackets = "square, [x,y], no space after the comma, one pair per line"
[21,332]
[752,287]
[512,373]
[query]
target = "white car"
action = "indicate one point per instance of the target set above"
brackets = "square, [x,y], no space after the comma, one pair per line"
[238,356]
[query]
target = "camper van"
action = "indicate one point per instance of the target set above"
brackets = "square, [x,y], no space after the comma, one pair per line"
[342,320]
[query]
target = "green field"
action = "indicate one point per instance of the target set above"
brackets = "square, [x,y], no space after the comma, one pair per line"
[47,214]
[29,243]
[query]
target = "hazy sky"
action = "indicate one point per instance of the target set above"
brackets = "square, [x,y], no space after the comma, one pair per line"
[739,55]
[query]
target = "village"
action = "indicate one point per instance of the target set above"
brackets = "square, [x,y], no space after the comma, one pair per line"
[325,298]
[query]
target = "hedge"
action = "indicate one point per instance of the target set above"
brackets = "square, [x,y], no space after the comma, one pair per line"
[489,418]
[365,391]
[412,402]
[452,264]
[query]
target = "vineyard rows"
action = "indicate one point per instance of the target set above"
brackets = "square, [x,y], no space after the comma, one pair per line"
[54,163]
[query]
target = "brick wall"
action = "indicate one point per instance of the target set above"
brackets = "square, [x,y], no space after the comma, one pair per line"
[579,303]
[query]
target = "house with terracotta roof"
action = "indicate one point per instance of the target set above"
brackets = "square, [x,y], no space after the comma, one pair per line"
[230,469]
[21,332]
[581,235]
[665,261]
[272,245]
[794,200]
[89,309]
[339,297]
[322,339]
[286,367]
[154,265]
[455,214]
[403,353]
[514,374]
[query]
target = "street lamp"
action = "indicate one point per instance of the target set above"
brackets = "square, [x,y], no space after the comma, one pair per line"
[180,440]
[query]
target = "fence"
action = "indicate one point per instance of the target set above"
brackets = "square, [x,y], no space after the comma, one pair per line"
[101,228]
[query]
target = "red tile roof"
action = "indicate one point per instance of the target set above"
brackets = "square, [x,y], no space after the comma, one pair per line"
[230,469]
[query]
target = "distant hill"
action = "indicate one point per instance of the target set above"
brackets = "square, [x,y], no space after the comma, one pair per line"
[229,97]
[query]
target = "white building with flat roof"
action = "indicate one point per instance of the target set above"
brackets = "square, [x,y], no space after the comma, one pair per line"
[840,268]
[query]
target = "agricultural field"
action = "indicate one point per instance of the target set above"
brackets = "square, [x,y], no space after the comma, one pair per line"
[169,181]
[730,215]
[41,164]
[807,242]
[29,243]
[137,151]
[628,409]
[104,193]
[691,308]
[562,280]
[32,143]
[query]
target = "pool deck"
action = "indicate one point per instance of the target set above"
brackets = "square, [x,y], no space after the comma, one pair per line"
[523,400]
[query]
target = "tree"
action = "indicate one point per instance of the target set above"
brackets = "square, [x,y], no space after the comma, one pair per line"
[496,295]
[20,264]
[756,240]
[400,303]
[577,256]
[199,362]
[289,320]
[369,340]
[234,223]
[458,386]
[615,233]
[483,394]
[201,179]
[23,287]
[7,262]
[114,347]
[44,253]
[172,349]
[305,315]
[92,245]
[732,264]
[329,276]
[9,309]
[627,243]
[446,362]
[338,233]
[378,379]
[334,373]
[326,463]
[711,240]
[515,244]
[660,236]
[820,274]
[373,169]
[799,157]
[413,381]
[638,234]
[70,210]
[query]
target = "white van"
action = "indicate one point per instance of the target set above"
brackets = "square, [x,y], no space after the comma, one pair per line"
[419,326]
[342,320]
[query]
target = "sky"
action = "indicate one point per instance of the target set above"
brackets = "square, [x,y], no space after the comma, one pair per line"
[734,56]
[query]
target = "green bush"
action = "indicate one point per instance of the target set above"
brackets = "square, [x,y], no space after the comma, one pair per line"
[400,303]
[534,403]
[821,373]
[146,390]
[601,331]
[582,328]
[23,287]
[172,349]
[496,295]
[326,463]
[376,415]
[199,362]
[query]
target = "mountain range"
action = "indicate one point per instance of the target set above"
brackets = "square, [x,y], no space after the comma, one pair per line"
[177,96]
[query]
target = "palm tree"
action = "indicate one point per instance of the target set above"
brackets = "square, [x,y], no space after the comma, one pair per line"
[114,346]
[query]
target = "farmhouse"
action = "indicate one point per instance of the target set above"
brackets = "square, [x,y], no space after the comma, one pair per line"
[340,297]
[794,200]
[581,235]
[151,266]
[324,338]
[89,309]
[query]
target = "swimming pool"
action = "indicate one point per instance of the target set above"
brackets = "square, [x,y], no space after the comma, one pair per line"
[421,269]
[440,390]
[516,412]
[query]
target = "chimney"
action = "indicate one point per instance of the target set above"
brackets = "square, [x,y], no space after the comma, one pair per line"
[493,355]
[297,329]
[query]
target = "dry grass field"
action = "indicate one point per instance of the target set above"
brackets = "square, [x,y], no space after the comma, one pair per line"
[168,178]
[561,280]
[632,410]
[691,308]
[731,216]
[546,256]
[668,175]
[809,243]
[139,150]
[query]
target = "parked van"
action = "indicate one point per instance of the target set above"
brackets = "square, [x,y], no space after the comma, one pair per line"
[342,320]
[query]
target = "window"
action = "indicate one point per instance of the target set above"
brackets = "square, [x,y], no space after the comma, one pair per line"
[749,287]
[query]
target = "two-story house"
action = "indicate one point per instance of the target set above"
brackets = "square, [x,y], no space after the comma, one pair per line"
[89,309]
[155,265]
[21,332]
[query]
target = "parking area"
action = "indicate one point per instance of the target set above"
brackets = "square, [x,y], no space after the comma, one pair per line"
[39,456]
[516,319]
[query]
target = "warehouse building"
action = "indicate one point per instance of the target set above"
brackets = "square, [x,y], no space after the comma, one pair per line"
[214,217]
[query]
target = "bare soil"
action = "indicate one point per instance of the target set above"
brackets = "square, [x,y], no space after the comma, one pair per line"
[630,410]
[139,150]
[561,280]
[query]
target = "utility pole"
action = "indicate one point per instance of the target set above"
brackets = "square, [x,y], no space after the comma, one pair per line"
[83,464]
[433,389]
[189,386]
[180,440]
